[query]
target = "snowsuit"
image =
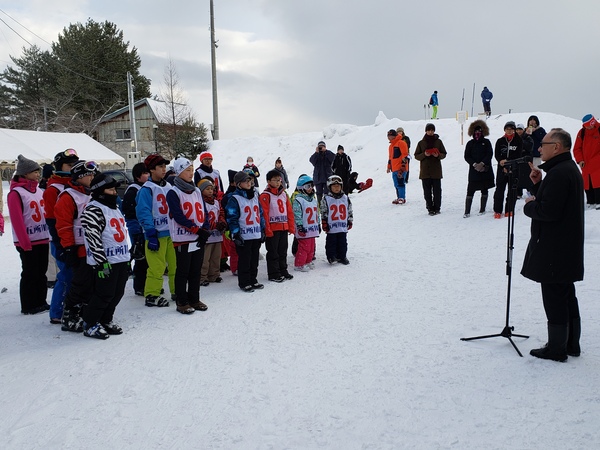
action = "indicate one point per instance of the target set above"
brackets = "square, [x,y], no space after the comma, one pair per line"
[31,238]
[306,218]
[587,149]
[279,222]
[336,220]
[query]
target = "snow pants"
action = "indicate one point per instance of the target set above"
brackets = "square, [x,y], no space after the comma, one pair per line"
[157,261]
[33,287]
[106,294]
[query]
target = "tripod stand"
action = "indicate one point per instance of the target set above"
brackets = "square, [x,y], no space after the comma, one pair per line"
[507,332]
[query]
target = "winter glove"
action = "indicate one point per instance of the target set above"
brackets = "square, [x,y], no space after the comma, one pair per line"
[203,235]
[238,239]
[221,226]
[435,152]
[71,258]
[325,226]
[427,152]
[349,225]
[103,270]
[152,237]
[301,231]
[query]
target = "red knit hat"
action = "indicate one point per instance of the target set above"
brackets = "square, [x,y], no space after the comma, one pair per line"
[205,155]
[154,160]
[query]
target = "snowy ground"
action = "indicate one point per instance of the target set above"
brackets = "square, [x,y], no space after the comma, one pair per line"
[365,356]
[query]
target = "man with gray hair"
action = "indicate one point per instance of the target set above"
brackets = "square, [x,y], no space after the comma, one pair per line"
[554,256]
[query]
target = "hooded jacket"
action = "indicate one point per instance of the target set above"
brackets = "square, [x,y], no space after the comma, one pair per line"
[588,151]
[15,211]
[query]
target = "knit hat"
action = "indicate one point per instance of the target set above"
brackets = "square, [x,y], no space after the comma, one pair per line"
[154,160]
[340,147]
[83,168]
[25,166]
[204,183]
[430,126]
[69,156]
[322,143]
[400,130]
[205,155]
[240,177]
[392,132]
[273,173]
[520,126]
[180,164]
[510,124]
[588,120]
[231,175]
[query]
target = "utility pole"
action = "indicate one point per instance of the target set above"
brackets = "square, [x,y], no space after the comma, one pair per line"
[213,60]
[132,127]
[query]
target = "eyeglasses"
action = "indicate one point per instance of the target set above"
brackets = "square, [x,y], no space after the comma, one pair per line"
[68,152]
[545,143]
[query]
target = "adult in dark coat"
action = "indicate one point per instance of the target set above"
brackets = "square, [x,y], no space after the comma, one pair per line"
[486,99]
[478,154]
[342,166]
[509,146]
[537,133]
[554,255]
[321,159]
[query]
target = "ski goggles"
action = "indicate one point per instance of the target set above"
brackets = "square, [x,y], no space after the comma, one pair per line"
[91,165]
[68,152]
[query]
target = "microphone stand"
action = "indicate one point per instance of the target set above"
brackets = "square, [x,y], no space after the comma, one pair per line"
[507,332]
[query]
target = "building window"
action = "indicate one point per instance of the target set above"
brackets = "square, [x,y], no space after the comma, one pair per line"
[123,134]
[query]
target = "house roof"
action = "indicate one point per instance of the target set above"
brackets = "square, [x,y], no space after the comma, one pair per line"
[154,105]
[42,146]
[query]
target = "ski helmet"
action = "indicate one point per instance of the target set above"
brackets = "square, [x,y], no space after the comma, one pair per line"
[334,179]
[303,180]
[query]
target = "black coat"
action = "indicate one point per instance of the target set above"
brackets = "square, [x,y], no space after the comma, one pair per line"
[477,151]
[555,250]
[342,165]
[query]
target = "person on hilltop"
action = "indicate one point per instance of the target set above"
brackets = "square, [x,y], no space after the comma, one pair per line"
[321,159]
[486,98]
[586,152]
[433,102]
[342,165]
[250,165]
[430,151]
[30,234]
[478,154]
[397,164]
[508,147]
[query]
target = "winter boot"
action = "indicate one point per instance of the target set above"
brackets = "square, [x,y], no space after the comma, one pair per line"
[483,203]
[468,203]
[71,321]
[556,348]
[95,331]
[573,348]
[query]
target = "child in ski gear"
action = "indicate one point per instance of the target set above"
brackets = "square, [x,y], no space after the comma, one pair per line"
[336,220]
[354,184]
[478,154]
[306,217]
[68,210]
[228,247]
[188,224]
[279,221]
[107,249]
[397,164]
[30,234]
[430,151]
[136,233]
[406,139]
[247,226]
[63,162]
[509,146]
[152,212]
[217,224]
[207,170]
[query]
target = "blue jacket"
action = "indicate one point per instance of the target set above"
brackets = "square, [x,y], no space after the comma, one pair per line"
[435,99]
[232,211]
[486,95]
[322,162]
[143,210]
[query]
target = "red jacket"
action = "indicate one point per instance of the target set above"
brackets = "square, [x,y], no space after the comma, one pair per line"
[265,202]
[65,212]
[51,194]
[588,151]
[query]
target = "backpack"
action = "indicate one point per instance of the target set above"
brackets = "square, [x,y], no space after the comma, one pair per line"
[431,100]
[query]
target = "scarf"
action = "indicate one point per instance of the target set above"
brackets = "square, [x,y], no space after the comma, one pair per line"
[183,185]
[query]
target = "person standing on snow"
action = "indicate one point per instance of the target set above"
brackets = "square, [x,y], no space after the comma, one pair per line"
[478,154]
[554,255]
[486,98]
[397,164]
[430,151]
[433,101]
[509,146]
[321,159]
[342,165]
[586,152]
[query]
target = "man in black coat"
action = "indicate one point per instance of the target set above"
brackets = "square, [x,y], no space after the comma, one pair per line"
[321,159]
[342,166]
[554,256]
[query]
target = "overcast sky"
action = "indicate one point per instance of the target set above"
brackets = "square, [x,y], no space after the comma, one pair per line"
[287,66]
